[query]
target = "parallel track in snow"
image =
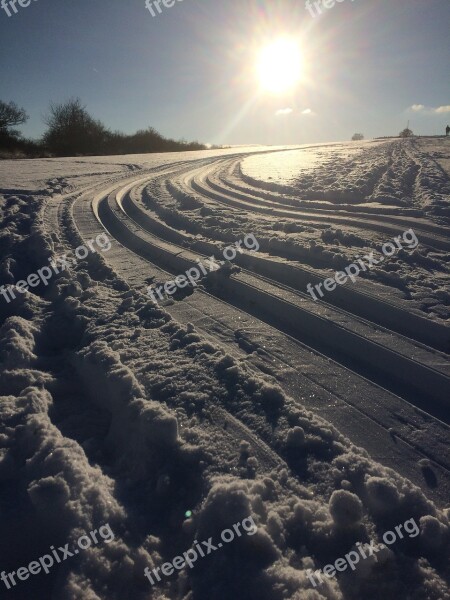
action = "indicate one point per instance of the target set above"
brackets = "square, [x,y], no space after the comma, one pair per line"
[205,184]
[373,351]
[356,299]
[370,346]
[230,179]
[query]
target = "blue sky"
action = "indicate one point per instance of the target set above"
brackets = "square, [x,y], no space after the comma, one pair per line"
[190,71]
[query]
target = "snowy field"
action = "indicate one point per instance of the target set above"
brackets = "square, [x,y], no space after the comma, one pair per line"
[281,413]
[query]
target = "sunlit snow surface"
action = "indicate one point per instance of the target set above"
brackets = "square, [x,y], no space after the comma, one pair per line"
[238,397]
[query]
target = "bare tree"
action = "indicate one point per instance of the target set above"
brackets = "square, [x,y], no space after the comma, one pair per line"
[406,133]
[11,115]
[356,137]
[71,130]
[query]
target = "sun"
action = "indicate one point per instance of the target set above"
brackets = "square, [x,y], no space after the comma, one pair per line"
[279,66]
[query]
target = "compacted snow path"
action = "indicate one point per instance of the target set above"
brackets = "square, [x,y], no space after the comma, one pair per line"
[403,359]
[240,395]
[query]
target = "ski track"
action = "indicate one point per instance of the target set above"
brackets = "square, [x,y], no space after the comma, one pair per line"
[132,194]
[371,359]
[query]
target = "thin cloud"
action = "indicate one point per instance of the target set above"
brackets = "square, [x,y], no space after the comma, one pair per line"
[308,111]
[429,109]
[284,111]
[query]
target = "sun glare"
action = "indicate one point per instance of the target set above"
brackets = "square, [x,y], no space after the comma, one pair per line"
[280,66]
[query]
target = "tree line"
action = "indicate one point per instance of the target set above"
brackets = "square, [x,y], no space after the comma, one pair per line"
[72,131]
[405,133]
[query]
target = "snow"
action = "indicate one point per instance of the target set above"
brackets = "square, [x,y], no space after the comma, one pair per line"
[240,399]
